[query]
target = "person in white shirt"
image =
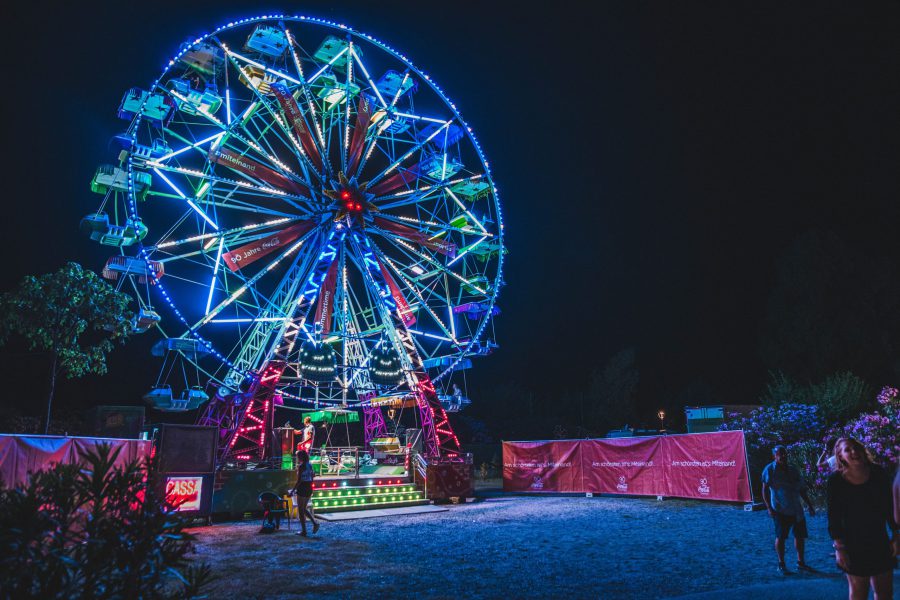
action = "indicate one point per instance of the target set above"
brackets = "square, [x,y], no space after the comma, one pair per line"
[308,434]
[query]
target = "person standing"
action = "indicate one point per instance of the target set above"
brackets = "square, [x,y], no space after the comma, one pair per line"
[826,460]
[860,513]
[308,435]
[303,489]
[782,490]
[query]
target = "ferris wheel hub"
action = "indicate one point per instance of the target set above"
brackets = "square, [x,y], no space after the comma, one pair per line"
[352,201]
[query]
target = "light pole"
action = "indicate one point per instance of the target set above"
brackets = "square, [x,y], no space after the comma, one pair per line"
[662,416]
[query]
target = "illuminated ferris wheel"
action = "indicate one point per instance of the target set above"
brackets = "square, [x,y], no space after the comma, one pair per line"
[307,219]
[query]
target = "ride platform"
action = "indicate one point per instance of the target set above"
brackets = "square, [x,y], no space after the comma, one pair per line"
[236,492]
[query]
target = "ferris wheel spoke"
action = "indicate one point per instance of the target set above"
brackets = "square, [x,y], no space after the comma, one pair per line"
[432,242]
[269,192]
[296,147]
[392,184]
[418,194]
[230,134]
[304,87]
[306,149]
[437,265]
[401,178]
[360,132]
[243,288]
[451,337]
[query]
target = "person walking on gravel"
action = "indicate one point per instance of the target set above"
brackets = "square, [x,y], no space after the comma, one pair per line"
[782,490]
[303,489]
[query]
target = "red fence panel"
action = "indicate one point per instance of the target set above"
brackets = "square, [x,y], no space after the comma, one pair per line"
[542,466]
[21,455]
[624,466]
[709,466]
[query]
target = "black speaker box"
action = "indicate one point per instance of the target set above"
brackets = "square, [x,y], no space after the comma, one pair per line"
[187,449]
[123,422]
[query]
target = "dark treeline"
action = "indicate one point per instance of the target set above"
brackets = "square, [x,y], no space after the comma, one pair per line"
[833,308]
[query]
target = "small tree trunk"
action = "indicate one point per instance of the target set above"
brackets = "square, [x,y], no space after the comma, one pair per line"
[52,389]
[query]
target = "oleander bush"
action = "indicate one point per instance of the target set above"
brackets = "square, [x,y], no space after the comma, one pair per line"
[94,531]
[806,429]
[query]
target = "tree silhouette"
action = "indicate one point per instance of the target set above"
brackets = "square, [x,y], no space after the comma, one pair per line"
[73,315]
[611,393]
[832,309]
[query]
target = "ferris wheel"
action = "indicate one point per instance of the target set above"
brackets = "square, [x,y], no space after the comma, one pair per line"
[307,220]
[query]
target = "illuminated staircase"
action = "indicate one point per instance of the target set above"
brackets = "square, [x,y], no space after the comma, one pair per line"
[339,496]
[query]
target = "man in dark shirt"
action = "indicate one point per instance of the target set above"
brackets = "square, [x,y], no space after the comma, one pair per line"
[782,490]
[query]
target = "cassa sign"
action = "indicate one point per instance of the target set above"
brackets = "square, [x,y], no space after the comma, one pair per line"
[184,492]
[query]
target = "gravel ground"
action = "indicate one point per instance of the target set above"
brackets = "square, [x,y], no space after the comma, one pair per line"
[505,546]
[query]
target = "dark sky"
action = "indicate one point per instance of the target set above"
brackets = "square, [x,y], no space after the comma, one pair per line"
[653,159]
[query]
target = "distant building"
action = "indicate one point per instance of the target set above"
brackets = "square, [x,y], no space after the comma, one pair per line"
[708,418]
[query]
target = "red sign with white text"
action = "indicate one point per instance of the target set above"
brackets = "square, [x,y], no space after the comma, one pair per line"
[326,300]
[184,492]
[403,309]
[542,466]
[709,466]
[248,253]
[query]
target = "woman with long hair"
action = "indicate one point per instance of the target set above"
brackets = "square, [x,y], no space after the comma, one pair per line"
[303,489]
[859,517]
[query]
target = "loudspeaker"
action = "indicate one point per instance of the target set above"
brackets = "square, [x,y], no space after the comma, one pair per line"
[187,449]
[123,422]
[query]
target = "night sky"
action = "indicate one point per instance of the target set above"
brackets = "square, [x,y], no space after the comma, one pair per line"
[653,159]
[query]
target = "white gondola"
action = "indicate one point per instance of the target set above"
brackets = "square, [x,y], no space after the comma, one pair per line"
[158,109]
[111,177]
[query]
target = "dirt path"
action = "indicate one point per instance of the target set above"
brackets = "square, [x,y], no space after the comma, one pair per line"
[515,547]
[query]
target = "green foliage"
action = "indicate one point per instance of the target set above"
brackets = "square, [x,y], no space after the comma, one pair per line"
[805,455]
[781,389]
[73,314]
[832,307]
[840,396]
[81,532]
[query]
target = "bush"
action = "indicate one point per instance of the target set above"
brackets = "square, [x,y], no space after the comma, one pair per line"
[880,431]
[768,426]
[94,531]
[805,455]
[781,389]
[840,396]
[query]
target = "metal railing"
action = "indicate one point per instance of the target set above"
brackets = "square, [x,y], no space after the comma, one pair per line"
[335,460]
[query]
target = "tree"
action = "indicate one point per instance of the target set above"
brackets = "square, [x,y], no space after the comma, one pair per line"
[782,389]
[71,314]
[832,309]
[611,393]
[841,396]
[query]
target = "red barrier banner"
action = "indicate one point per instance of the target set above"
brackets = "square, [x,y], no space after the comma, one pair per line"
[709,466]
[624,466]
[542,466]
[705,466]
[21,455]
